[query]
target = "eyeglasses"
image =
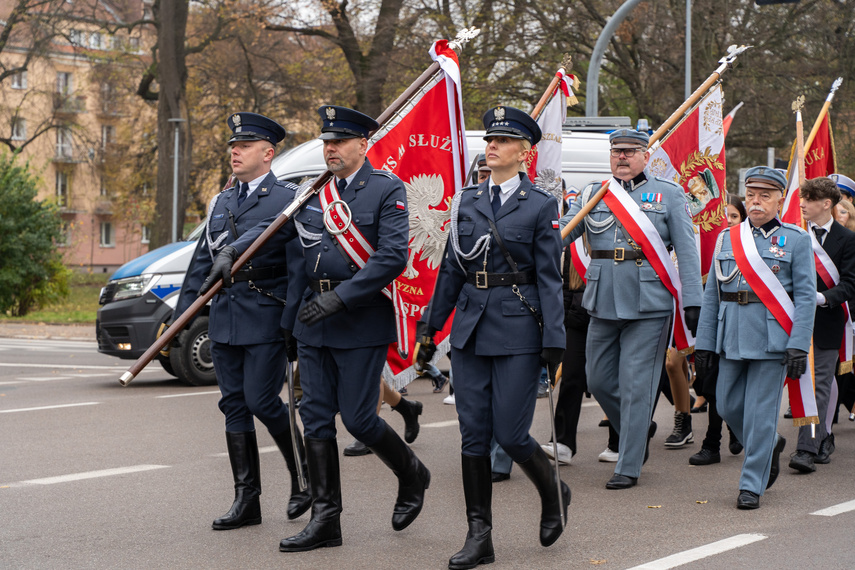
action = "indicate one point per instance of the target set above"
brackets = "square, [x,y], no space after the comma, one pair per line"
[627,152]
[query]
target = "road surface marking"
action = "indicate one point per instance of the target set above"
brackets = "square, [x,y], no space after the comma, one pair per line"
[72,366]
[189,394]
[49,407]
[43,378]
[93,474]
[836,509]
[701,552]
[8,383]
[449,423]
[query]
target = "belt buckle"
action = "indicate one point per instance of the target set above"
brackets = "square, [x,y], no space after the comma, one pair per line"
[325,285]
[619,256]
[742,297]
[481,280]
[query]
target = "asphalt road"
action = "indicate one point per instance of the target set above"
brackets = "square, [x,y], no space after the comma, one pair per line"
[94,475]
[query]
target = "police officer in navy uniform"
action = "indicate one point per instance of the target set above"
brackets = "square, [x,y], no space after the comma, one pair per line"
[247,346]
[501,275]
[630,307]
[345,325]
[754,349]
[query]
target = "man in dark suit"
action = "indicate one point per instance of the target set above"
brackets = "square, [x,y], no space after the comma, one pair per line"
[834,250]
[246,345]
[354,236]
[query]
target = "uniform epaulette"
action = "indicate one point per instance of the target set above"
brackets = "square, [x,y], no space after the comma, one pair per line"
[465,188]
[385,173]
[671,182]
[793,227]
[541,190]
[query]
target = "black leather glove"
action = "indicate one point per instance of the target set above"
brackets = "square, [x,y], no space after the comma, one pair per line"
[552,357]
[290,345]
[221,269]
[427,348]
[693,315]
[324,305]
[704,364]
[796,362]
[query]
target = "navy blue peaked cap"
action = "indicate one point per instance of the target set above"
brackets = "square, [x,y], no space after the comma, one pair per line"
[254,127]
[509,122]
[344,123]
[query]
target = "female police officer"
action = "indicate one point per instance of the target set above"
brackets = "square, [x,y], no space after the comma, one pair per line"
[501,273]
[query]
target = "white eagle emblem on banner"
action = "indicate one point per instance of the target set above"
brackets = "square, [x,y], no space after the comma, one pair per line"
[428,227]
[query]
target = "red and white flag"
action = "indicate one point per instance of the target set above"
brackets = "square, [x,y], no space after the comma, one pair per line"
[819,161]
[728,119]
[426,148]
[692,155]
[544,162]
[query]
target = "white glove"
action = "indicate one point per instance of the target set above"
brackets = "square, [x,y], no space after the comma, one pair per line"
[820,299]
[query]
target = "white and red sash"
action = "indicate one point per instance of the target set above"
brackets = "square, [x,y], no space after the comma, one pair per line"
[644,233]
[580,258]
[827,271]
[337,217]
[777,301]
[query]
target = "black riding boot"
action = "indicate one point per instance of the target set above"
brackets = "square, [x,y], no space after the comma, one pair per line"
[542,473]
[478,490]
[413,477]
[300,501]
[243,455]
[323,528]
[410,411]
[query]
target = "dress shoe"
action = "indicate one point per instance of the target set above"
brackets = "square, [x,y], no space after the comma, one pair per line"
[651,431]
[608,456]
[410,411]
[748,501]
[565,454]
[789,413]
[356,449]
[826,448]
[497,477]
[734,446]
[776,461]
[705,457]
[603,423]
[700,409]
[621,482]
[803,461]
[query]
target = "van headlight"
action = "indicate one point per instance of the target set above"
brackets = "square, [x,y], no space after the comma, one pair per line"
[134,286]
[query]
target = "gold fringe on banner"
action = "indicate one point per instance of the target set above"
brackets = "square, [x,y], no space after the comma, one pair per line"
[844,367]
[798,422]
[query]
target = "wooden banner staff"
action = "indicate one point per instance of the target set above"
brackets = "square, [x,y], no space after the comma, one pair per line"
[726,62]
[178,325]
[822,112]
[566,66]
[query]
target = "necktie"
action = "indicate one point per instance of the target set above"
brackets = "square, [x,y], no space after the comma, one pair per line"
[820,233]
[496,202]
[244,189]
[342,184]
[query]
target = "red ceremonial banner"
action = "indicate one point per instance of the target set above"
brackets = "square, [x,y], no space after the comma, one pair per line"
[692,155]
[819,161]
[426,149]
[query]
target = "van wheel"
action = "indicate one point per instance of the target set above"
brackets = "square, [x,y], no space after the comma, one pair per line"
[166,363]
[194,366]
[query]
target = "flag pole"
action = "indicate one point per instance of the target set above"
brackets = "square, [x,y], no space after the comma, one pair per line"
[302,197]
[822,113]
[566,66]
[726,62]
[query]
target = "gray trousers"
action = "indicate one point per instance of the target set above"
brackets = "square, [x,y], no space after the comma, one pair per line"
[824,365]
[624,363]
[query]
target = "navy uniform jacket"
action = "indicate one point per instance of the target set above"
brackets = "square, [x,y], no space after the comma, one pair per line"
[378,204]
[623,290]
[497,319]
[749,331]
[828,327]
[240,315]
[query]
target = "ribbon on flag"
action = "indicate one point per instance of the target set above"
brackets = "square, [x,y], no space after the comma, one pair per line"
[425,146]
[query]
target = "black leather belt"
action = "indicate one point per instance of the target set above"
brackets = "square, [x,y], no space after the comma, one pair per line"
[484,280]
[617,254]
[323,285]
[743,297]
[256,274]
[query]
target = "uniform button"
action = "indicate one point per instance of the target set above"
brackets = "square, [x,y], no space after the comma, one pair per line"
[324,275]
[326,248]
[309,219]
[619,241]
[519,236]
[357,220]
[232,297]
[482,306]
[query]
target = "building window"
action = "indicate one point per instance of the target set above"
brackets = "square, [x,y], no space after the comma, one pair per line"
[145,234]
[96,40]
[19,129]
[104,192]
[62,188]
[64,83]
[77,38]
[134,44]
[107,235]
[108,136]
[19,80]
[64,147]
[64,238]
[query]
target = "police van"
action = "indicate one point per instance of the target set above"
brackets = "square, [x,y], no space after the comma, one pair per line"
[141,295]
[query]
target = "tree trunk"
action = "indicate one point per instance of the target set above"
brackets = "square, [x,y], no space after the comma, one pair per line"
[172,104]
